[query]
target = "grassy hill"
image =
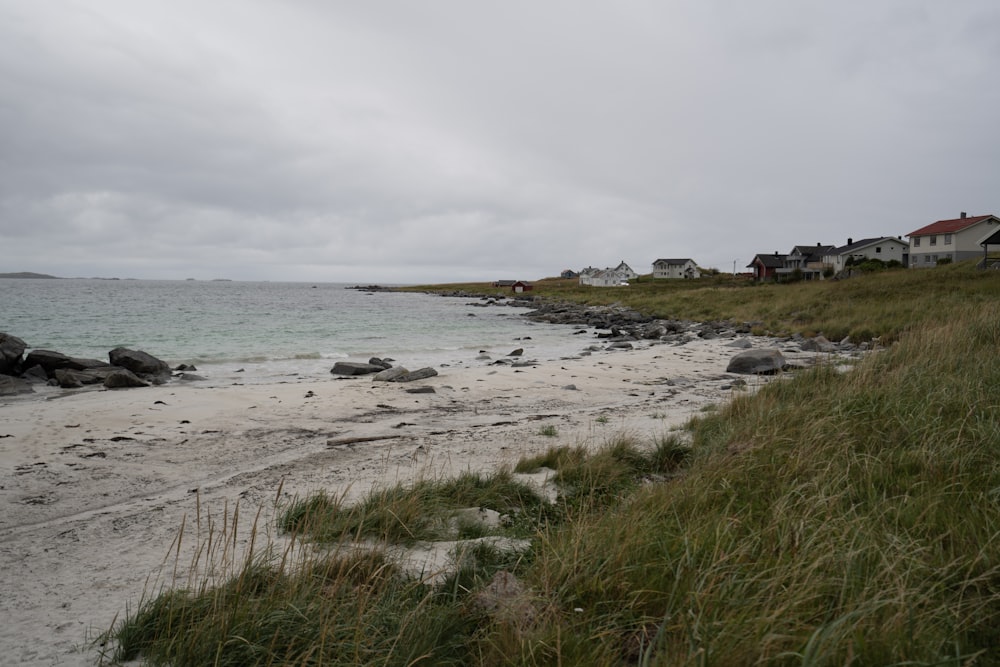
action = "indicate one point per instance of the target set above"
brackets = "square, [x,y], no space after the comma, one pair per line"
[830,519]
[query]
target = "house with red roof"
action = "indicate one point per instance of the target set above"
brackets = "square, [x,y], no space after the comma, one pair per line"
[956,239]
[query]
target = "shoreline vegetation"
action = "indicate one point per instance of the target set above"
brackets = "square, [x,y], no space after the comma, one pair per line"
[832,517]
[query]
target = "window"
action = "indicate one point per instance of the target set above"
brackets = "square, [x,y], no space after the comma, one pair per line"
[916,241]
[878,249]
[947,239]
[934,240]
[927,259]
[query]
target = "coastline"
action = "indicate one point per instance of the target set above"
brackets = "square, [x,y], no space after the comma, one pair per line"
[97,484]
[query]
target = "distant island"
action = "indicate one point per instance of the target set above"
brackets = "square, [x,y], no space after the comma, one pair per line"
[28,274]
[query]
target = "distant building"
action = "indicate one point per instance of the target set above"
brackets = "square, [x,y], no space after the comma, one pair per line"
[514,285]
[885,248]
[675,268]
[765,267]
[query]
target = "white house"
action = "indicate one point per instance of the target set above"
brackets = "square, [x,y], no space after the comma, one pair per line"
[885,248]
[675,268]
[626,271]
[955,239]
[607,277]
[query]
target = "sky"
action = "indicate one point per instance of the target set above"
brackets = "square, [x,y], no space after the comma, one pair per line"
[459,140]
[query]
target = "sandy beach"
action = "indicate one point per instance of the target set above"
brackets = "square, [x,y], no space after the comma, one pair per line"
[96,484]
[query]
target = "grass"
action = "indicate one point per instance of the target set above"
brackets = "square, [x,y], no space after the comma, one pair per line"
[828,519]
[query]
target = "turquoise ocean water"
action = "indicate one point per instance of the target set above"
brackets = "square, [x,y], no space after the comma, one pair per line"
[266,330]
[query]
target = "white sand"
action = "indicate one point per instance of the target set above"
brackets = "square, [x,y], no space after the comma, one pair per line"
[95,484]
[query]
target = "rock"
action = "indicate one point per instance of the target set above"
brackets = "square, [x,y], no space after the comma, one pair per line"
[818,344]
[354,368]
[68,378]
[35,374]
[516,353]
[51,361]
[390,374]
[11,349]
[757,362]
[138,362]
[381,363]
[570,387]
[427,389]
[11,386]
[419,374]
[620,345]
[123,378]
[190,377]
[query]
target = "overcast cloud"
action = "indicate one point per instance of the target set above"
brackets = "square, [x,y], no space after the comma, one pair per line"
[451,140]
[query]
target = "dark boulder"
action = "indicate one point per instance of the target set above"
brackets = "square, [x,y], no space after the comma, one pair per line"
[53,361]
[381,363]
[11,386]
[138,362]
[354,368]
[122,379]
[818,344]
[35,375]
[757,362]
[68,378]
[11,349]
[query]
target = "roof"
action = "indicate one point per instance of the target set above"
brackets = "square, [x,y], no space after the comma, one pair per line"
[811,252]
[992,239]
[950,226]
[674,262]
[857,245]
[774,261]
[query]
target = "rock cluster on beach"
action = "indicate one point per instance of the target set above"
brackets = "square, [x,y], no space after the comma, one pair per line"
[124,368]
[382,369]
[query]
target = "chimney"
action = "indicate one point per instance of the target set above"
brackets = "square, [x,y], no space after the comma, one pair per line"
[849,240]
[962,215]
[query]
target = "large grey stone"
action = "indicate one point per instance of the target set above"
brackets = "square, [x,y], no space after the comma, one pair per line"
[419,374]
[11,349]
[11,386]
[818,344]
[354,368]
[123,378]
[390,374]
[757,362]
[137,361]
[52,361]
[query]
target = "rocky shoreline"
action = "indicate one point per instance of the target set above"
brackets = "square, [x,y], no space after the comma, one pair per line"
[614,326]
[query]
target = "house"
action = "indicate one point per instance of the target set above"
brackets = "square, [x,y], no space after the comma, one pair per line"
[569,273]
[606,278]
[626,271]
[956,239]
[765,266]
[620,275]
[885,248]
[675,268]
[807,260]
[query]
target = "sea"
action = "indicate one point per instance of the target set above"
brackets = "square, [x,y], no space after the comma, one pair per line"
[258,332]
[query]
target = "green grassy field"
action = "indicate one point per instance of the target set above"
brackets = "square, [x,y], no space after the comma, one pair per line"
[834,518]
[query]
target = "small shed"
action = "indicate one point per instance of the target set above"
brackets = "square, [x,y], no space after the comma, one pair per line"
[520,286]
